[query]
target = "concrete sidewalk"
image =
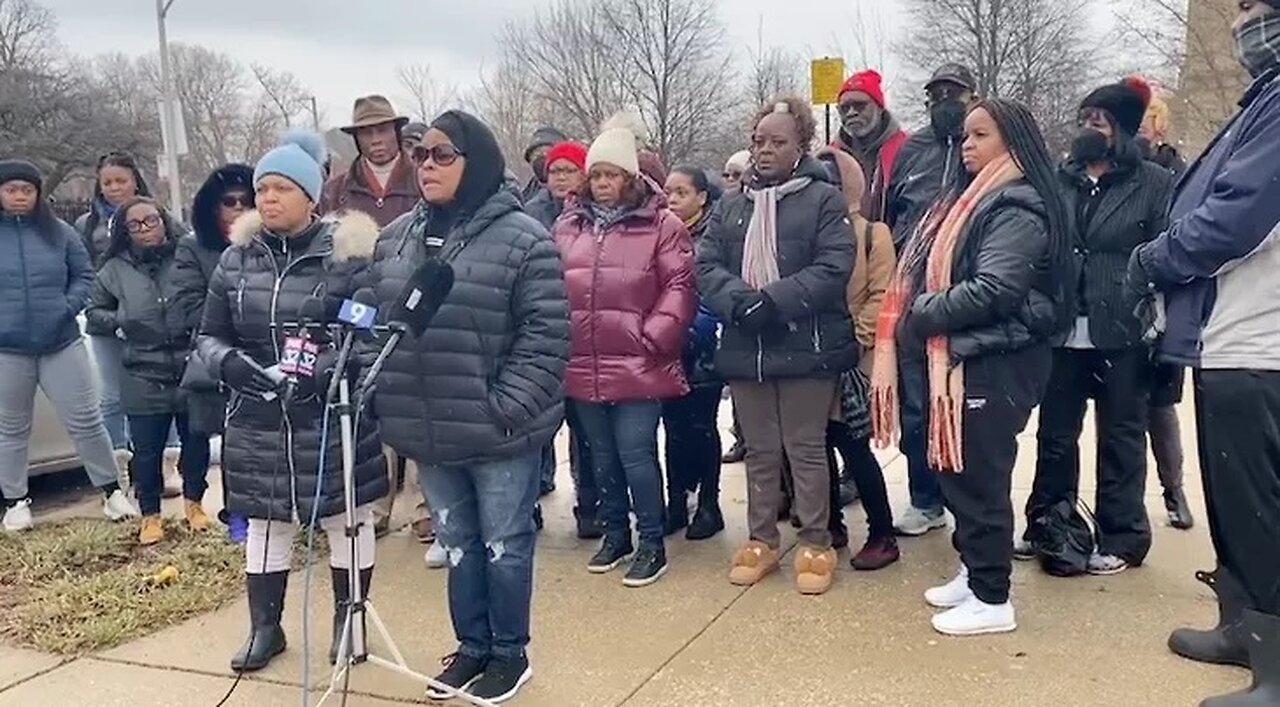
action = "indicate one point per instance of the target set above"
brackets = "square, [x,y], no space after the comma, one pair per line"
[693,639]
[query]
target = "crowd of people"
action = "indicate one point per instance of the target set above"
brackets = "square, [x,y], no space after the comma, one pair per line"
[927,290]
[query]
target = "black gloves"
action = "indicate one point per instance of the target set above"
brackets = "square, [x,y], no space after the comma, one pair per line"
[754,311]
[1137,284]
[243,375]
[1139,293]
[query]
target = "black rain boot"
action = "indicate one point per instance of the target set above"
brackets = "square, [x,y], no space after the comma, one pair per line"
[677,514]
[266,637]
[1262,631]
[707,520]
[1225,643]
[341,600]
[1175,504]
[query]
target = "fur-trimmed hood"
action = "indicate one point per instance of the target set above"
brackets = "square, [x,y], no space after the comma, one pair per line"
[353,234]
[204,208]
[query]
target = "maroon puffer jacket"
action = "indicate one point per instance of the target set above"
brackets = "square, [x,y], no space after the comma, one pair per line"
[631,297]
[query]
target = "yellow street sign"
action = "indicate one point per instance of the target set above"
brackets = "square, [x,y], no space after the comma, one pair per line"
[825,77]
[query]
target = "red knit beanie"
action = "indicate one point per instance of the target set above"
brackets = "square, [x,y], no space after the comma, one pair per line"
[868,82]
[575,152]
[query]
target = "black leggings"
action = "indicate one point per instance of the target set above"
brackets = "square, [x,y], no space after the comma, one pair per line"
[862,464]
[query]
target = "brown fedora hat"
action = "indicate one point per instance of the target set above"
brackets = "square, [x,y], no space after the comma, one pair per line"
[373,110]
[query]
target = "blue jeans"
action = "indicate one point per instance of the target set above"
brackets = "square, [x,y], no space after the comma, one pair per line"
[108,357]
[484,520]
[150,437]
[922,482]
[623,439]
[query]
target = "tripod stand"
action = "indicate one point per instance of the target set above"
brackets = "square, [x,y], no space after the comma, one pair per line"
[353,648]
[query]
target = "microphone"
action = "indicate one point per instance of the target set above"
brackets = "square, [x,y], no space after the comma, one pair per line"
[412,311]
[299,354]
[357,315]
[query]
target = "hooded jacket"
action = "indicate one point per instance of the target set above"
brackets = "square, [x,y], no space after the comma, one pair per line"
[1002,298]
[1126,207]
[925,167]
[271,452]
[135,293]
[485,381]
[813,337]
[350,190]
[632,296]
[878,158]
[198,254]
[1217,261]
[45,277]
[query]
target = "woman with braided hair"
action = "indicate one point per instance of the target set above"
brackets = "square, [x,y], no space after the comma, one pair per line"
[981,288]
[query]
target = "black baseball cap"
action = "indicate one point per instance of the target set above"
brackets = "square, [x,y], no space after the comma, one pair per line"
[954,73]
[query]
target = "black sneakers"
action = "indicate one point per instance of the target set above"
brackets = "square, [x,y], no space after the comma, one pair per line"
[609,557]
[648,567]
[502,679]
[460,671]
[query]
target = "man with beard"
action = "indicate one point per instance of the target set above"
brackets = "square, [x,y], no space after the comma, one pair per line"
[1215,266]
[927,166]
[1118,200]
[380,181]
[870,133]
[535,155]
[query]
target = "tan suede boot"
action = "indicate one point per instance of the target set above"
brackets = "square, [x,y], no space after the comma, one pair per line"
[753,563]
[151,531]
[197,519]
[815,570]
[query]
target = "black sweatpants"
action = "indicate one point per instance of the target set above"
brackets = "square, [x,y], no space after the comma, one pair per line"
[693,443]
[861,464]
[1238,429]
[1000,391]
[1119,381]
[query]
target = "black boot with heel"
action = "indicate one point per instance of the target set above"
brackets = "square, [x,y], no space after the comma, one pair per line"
[1225,643]
[266,637]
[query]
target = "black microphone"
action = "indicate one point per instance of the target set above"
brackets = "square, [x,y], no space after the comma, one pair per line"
[413,311]
[299,353]
[356,316]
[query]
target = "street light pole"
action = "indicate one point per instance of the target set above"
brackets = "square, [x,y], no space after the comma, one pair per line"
[169,115]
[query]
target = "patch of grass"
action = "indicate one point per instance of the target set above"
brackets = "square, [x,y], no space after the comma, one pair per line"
[84,585]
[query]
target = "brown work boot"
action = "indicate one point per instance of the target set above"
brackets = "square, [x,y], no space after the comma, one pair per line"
[753,563]
[151,531]
[815,570]
[196,517]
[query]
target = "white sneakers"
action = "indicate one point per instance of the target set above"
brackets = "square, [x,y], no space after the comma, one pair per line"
[437,557]
[966,614]
[975,617]
[18,517]
[117,506]
[951,594]
[915,522]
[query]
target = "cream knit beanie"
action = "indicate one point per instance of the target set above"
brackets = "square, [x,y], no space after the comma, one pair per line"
[617,147]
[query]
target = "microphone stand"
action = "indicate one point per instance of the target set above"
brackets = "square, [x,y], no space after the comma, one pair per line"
[353,648]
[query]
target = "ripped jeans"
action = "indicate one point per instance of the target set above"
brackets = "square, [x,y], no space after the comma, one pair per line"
[483,517]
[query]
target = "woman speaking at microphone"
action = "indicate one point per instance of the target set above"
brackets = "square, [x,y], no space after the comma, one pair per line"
[279,255]
[474,399]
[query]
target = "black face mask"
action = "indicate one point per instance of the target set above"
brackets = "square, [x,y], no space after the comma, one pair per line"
[947,119]
[1089,146]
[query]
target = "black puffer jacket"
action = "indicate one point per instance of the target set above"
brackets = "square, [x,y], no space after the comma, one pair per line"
[545,208]
[1004,296]
[135,293]
[814,338]
[924,168]
[486,380]
[271,456]
[198,255]
[1127,207]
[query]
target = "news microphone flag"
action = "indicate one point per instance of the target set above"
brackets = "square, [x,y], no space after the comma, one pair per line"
[298,356]
[357,314]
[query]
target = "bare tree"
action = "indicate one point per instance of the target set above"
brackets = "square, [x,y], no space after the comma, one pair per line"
[507,102]
[283,92]
[26,35]
[773,71]
[427,96]
[1034,51]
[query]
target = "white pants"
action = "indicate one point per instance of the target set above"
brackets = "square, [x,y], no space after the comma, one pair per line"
[270,544]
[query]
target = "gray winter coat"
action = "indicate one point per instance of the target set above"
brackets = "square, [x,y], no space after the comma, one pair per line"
[814,335]
[137,296]
[486,380]
[271,455]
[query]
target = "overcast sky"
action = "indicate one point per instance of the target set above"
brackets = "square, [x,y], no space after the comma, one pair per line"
[344,48]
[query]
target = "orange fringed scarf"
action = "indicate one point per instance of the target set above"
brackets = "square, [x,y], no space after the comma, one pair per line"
[945,384]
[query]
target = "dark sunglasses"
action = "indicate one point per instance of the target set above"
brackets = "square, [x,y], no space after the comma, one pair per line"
[731,175]
[146,223]
[231,201]
[443,155]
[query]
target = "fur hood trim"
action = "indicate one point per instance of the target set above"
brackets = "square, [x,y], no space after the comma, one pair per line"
[354,233]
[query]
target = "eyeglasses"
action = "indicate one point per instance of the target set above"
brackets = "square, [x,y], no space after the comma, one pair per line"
[231,201]
[731,175]
[146,223]
[443,155]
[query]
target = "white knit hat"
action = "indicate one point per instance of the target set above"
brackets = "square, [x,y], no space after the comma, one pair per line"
[617,147]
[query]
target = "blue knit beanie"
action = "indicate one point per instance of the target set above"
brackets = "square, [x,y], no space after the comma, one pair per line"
[298,159]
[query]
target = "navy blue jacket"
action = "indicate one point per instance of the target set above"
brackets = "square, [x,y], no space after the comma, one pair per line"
[1216,263]
[45,276]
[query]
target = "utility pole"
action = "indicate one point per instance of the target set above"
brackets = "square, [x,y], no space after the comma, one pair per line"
[315,115]
[168,117]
